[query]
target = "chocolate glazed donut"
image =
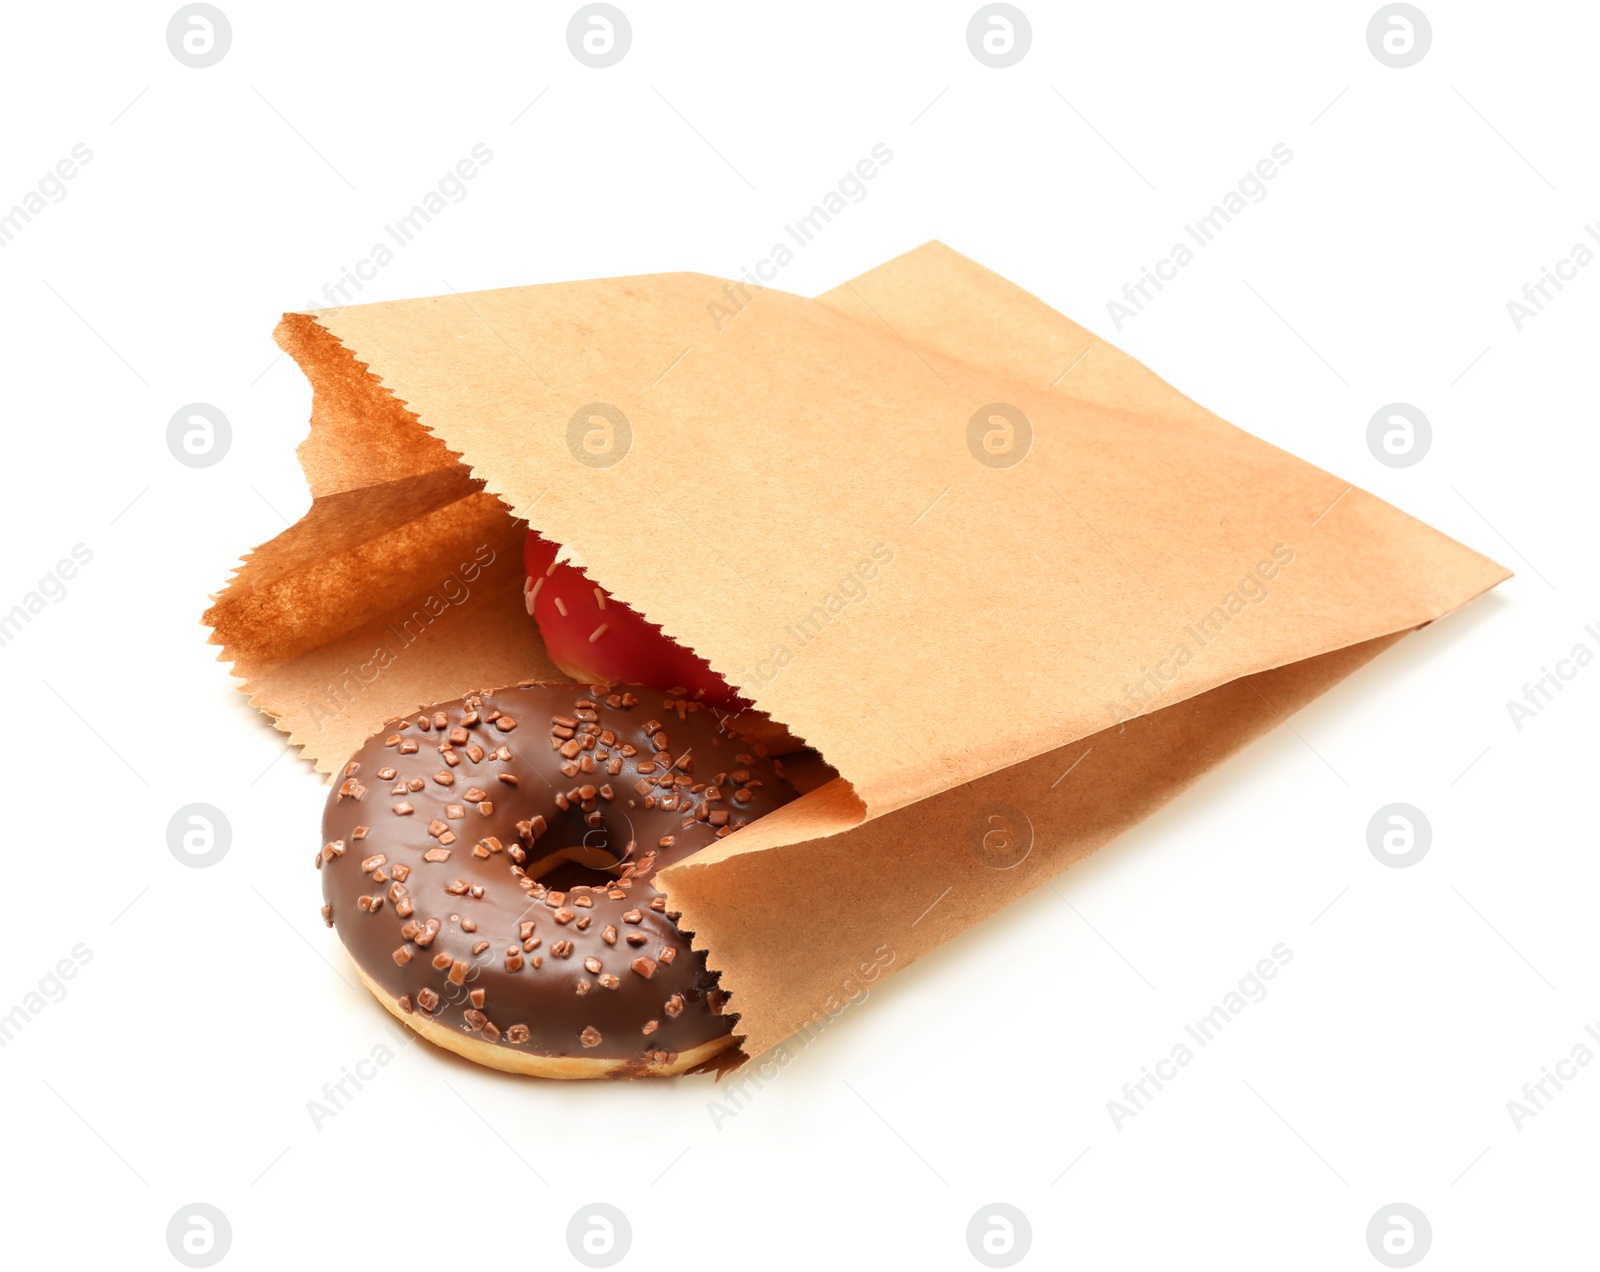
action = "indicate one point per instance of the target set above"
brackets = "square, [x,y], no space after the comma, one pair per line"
[487,864]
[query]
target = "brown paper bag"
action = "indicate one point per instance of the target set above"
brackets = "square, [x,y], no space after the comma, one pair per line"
[1015,588]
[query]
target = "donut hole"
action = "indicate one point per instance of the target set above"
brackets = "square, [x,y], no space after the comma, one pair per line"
[598,851]
[568,876]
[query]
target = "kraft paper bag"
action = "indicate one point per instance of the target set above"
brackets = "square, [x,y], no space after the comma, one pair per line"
[1015,589]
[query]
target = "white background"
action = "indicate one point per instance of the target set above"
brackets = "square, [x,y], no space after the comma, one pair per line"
[1419,1001]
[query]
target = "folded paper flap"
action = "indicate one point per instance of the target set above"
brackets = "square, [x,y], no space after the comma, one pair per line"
[793,495]
[1008,330]
[401,585]
[409,651]
[360,436]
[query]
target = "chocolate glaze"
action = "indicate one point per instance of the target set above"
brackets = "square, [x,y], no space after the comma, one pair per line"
[451,938]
